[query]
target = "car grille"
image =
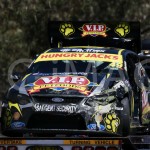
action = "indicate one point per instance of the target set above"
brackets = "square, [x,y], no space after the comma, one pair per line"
[47,121]
[66,100]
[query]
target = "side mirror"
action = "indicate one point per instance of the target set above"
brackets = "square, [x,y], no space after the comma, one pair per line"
[15,76]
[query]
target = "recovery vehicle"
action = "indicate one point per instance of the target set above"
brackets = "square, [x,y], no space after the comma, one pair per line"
[88,91]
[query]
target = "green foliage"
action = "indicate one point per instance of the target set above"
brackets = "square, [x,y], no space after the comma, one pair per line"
[23,24]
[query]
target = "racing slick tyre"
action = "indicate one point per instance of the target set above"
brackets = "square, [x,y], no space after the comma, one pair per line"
[125,115]
[3,126]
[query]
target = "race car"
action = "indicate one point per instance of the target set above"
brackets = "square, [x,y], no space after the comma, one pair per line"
[90,81]
[78,88]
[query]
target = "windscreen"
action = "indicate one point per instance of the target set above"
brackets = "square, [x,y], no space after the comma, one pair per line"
[72,66]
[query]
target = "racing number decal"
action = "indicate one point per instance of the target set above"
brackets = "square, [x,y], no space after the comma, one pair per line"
[66,29]
[122,29]
[111,122]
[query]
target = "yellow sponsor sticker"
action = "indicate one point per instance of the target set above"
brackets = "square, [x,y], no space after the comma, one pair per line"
[67,29]
[112,122]
[122,29]
[80,56]
[12,142]
[72,86]
[92,142]
[16,105]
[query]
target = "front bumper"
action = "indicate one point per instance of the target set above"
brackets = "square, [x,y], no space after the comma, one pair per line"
[82,120]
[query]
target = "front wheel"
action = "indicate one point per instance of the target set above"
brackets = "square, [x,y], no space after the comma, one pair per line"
[125,115]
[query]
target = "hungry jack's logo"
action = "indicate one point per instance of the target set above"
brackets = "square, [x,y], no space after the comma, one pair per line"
[80,56]
[59,83]
[94,29]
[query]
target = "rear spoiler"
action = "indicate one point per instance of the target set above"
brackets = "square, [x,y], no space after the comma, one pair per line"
[124,35]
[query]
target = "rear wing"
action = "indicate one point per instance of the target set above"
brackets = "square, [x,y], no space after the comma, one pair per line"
[124,35]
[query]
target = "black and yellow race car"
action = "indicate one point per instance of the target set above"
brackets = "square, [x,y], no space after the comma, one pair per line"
[79,90]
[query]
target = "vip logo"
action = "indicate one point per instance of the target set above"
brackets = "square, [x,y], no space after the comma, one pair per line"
[94,29]
[77,80]
[59,83]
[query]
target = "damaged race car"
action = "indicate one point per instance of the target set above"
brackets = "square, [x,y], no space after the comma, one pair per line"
[75,89]
[90,82]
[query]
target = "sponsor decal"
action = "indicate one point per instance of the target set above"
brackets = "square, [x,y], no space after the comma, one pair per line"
[55,108]
[40,74]
[66,29]
[122,29]
[94,29]
[17,125]
[57,99]
[92,126]
[111,122]
[60,83]
[79,56]
[102,128]
[73,73]
[95,50]
[83,50]
[12,142]
[91,142]
[14,105]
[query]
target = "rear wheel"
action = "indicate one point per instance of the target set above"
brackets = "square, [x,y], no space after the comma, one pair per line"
[125,115]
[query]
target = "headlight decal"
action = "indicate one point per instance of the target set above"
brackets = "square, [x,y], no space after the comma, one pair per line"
[14,105]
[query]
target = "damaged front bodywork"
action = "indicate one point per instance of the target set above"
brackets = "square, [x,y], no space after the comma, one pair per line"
[72,90]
